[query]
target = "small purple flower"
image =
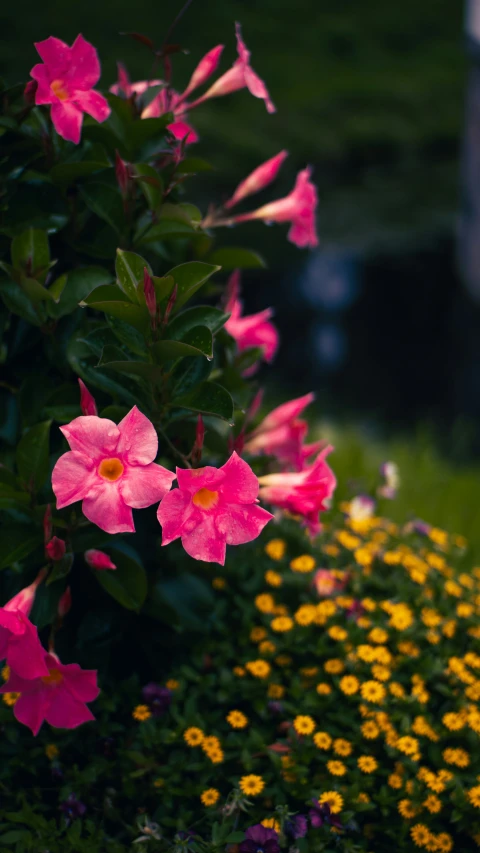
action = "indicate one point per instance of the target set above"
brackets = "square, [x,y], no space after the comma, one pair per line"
[421,527]
[260,839]
[322,814]
[296,827]
[157,698]
[275,707]
[72,808]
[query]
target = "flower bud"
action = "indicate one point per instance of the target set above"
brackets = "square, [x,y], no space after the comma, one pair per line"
[150,296]
[55,549]
[65,603]
[29,92]
[98,560]
[87,401]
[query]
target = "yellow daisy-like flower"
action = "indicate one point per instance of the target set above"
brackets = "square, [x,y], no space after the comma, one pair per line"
[453,721]
[456,756]
[421,834]
[336,768]
[210,797]
[397,690]
[444,842]
[275,549]
[271,823]
[281,624]
[216,756]
[334,666]
[140,713]
[251,785]
[51,751]
[333,799]
[273,578]
[381,673]
[347,540]
[336,632]
[373,691]
[433,804]
[306,614]
[367,763]
[349,685]
[342,747]
[258,668]
[378,635]
[363,797]
[322,740]
[257,634]
[237,720]
[172,684]
[5,672]
[331,550]
[304,563]
[10,698]
[239,671]
[304,725]
[267,648]
[323,689]
[193,736]
[408,745]
[407,809]
[265,602]
[219,583]
[474,796]
[395,781]
[275,691]
[370,730]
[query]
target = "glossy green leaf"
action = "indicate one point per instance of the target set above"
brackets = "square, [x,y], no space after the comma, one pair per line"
[104,293]
[32,456]
[189,278]
[31,253]
[128,336]
[188,373]
[17,302]
[208,398]
[129,268]
[184,599]
[113,358]
[61,568]
[127,584]
[18,541]
[135,315]
[166,229]
[196,342]
[201,315]
[236,258]
[105,201]
[80,282]
[68,173]
[79,356]
[35,291]
[150,183]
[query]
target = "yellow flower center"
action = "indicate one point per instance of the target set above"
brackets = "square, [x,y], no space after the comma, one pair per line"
[110,469]
[205,499]
[59,89]
[54,678]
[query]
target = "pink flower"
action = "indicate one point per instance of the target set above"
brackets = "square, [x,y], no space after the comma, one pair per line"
[111,469]
[298,208]
[205,68]
[165,101]
[305,493]
[59,696]
[325,583]
[260,178]
[282,433]
[252,330]
[66,80]
[55,549]
[212,508]
[98,560]
[19,642]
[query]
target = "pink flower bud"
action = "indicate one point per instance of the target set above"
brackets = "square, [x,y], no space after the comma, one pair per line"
[87,401]
[65,603]
[150,296]
[29,92]
[122,174]
[199,438]
[123,84]
[170,304]
[55,549]
[258,179]
[47,524]
[98,560]
[205,68]
[24,599]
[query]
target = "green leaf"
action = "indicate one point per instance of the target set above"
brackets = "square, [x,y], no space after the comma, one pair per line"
[35,291]
[61,568]
[189,278]
[189,372]
[192,165]
[129,268]
[208,398]
[33,456]
[196,342]
[167,229]
[184,599]
[233,258]
[114,359]
[151,184]
[105,201]
[79,357]
[80,282]
[18,541]
[67,173]
[201,315]
[30,253]
[145,138]
[127,584]
[104,293]
[135,315]
[17,302]
[127,335]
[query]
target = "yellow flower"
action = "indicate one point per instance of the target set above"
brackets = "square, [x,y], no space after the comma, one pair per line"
[265,602]
[331,550]
[373,691]
[276,548]
[282,624]
[283,660]
[273,578]
[322,740]
[306,614]
[433,804]
[271,823]
[216,756]
[51,751]
[408,745]
[347,540]
[10,698]
[370,730]
[366,653]
[172,684]
[267,648]
[304,725]
[334,666]
[392,558]
[333,799]
[474,796]
[409,649]
[219,583]
[141,713]
[237,720]
[381,673]
[336,768]
[456,756]
[275,691]
[378,635]
[395,780]
[342,747]
[439,537]
[443,842]
[158,783]
[239,671]
[407,809]
[401,617]
[5,673]
[421,834]
[258,668]
[210,796]
[251,785]
[323,689]
[349,685]
[193,736]
[304,563]
[454,722]
[257,634]
[337,633]
[367,763]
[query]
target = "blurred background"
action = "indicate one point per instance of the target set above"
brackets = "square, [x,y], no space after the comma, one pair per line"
[383,320]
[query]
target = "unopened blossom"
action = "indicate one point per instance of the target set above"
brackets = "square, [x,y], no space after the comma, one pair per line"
[65,79]
[59,696]
[110,469]
[98,560]
[251,330]
[304,493]
[87,400]
[282,433]
[260,178]
[213,508]
[19,643]
[298,208]
[55,549]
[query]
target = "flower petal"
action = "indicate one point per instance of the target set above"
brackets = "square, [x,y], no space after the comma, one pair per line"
[105,507]
[30,709]
[93,103]
[144,485]
[67,120]
[183,130]
[55,54]
[138,440]
[72,478]
[43,94]
[84,71]
[81,683]
[96,437]
[241,484]
[240,524]
[204,542]
[26,656]
[193,479]
[172,514]
[66,712]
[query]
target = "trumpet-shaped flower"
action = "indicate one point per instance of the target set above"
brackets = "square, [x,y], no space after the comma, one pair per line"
[298,208]
[19,642]
[111,469]
[65,79]
[282,433]
[260,178]
[306,493]
[213,508]
[251,330]
[59,696]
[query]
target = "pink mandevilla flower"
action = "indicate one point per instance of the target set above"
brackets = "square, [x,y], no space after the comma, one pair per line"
[325,583]
[19,642]
[98,560]
[298,208]
[282,433]
[260,178]
[306,493]
[66,80]
[251,330]
[59,696]
[212,508]
[111,469]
